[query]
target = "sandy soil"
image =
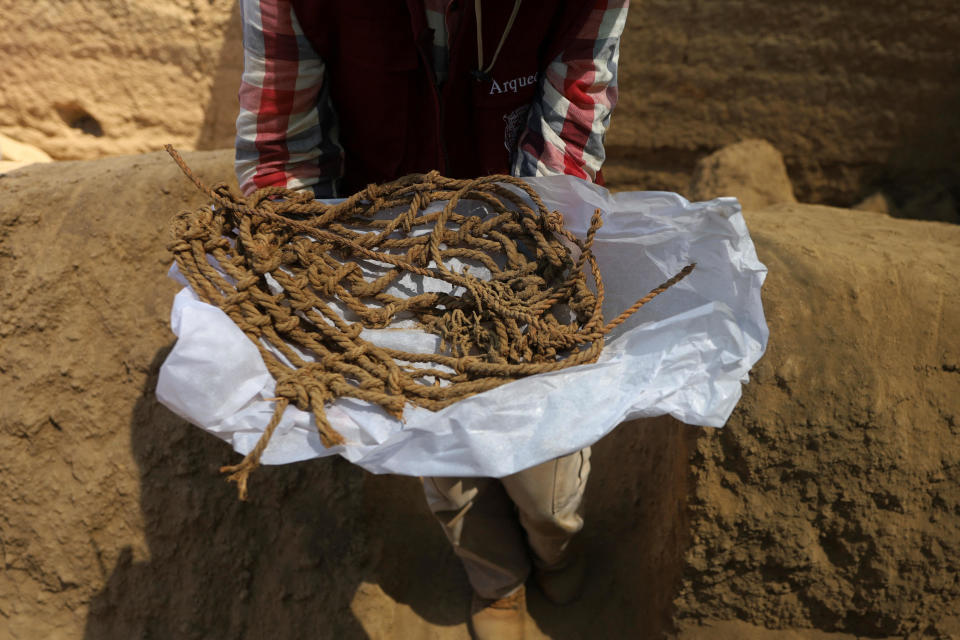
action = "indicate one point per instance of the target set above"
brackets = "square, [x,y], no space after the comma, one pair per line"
[829,507]
[105,77]
[856,95]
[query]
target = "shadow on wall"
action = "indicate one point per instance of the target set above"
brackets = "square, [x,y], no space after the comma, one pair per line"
[283,565]
[219,120]
[922,173]
[289,563]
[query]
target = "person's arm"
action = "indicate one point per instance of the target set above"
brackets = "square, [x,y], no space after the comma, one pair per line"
[568,120]
[286,121]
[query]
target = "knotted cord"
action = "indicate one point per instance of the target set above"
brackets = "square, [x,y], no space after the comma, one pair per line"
[303,279]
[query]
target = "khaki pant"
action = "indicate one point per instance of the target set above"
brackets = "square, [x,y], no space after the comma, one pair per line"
[485,520]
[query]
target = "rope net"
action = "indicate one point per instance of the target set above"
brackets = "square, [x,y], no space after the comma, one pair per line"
[302,279]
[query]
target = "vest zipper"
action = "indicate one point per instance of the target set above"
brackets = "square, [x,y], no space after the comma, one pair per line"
[438,101]
[452,36]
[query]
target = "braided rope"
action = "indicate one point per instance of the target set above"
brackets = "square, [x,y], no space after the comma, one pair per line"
[299,276]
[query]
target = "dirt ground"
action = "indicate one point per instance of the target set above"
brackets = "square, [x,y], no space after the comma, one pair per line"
[827,508]
[103,77]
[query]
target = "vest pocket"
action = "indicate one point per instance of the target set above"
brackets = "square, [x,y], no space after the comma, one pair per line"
[501,117]
[374,127]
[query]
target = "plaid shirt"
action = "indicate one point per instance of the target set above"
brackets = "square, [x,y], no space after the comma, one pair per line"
[287,133]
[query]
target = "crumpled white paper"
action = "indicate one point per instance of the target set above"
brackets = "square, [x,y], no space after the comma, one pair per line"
[686,354]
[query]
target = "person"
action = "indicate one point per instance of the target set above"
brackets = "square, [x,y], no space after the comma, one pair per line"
[337,95]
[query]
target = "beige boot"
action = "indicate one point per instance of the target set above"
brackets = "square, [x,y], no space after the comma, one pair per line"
[501,619]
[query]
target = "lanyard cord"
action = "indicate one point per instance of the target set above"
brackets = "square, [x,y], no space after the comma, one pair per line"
[503,38]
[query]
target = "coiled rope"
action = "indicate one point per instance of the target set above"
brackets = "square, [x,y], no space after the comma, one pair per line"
[302,279]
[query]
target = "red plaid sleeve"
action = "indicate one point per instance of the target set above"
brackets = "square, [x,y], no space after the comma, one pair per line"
[566,125]
[286,123]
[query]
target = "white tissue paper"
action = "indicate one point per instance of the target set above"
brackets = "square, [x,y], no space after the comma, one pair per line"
[686,354]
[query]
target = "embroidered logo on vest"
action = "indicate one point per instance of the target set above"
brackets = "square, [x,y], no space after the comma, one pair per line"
[513,124]
[513,85]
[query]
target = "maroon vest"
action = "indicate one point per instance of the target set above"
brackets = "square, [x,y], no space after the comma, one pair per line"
[393,118]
